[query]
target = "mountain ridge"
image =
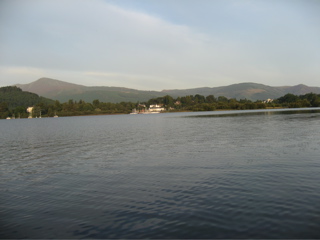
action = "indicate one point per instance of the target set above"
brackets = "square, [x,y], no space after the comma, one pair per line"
[63,91]
[16,97]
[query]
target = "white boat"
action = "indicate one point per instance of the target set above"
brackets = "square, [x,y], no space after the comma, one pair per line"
[147,112]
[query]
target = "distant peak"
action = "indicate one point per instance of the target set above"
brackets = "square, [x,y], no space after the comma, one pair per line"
[47,79]
[44,79]
[301,85]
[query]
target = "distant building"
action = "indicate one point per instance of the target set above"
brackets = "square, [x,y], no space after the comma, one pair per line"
[156,108]
[269,100]
[29,110]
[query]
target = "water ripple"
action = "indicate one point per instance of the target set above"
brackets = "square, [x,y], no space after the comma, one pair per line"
[161,176]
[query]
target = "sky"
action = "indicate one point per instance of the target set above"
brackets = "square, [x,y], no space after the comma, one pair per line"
[160,44]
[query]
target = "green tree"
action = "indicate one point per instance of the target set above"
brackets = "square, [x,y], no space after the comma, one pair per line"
[57,106]
[187,100]
[168,101]
[4,110]
[199,98]
[210,99]
[222,99]
[4,107]
[288,98]
[96,103]
[36,111]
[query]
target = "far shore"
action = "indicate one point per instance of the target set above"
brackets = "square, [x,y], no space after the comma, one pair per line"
[104,114]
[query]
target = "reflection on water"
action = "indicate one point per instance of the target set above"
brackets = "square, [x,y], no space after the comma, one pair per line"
[242,113]
[248,174]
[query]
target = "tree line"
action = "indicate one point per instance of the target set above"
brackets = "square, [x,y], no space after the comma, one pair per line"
[14,103]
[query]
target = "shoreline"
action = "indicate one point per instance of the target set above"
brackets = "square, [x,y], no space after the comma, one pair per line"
[110,114]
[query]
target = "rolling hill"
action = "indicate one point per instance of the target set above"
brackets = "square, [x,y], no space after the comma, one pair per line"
[63,91]
[251,91]
[15,97]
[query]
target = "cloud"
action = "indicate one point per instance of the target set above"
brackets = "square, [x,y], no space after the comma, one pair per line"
[102,37]
[9,75]
[100,43]
[23,71]
[142,82]
[96,31]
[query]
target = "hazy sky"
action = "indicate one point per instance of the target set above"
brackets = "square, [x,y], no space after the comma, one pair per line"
[160,44]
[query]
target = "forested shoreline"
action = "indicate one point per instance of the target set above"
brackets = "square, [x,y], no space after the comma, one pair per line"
[14,102]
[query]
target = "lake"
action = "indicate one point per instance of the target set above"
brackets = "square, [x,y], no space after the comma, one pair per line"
[222,174]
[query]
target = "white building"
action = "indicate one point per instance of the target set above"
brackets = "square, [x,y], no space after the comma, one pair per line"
[269,100]
[29,110]
[156,108]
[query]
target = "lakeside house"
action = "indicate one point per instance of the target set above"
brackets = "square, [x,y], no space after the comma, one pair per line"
[269,100]
[156,108]
[29,110]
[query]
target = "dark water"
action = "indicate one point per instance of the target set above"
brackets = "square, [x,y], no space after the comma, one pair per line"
[250,174]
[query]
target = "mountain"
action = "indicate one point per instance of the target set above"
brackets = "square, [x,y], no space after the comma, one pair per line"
[15,97]
[63,91]
[50,87]
[300,89]
[251,91]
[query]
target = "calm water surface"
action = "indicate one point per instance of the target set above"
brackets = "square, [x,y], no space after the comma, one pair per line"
[240,174]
